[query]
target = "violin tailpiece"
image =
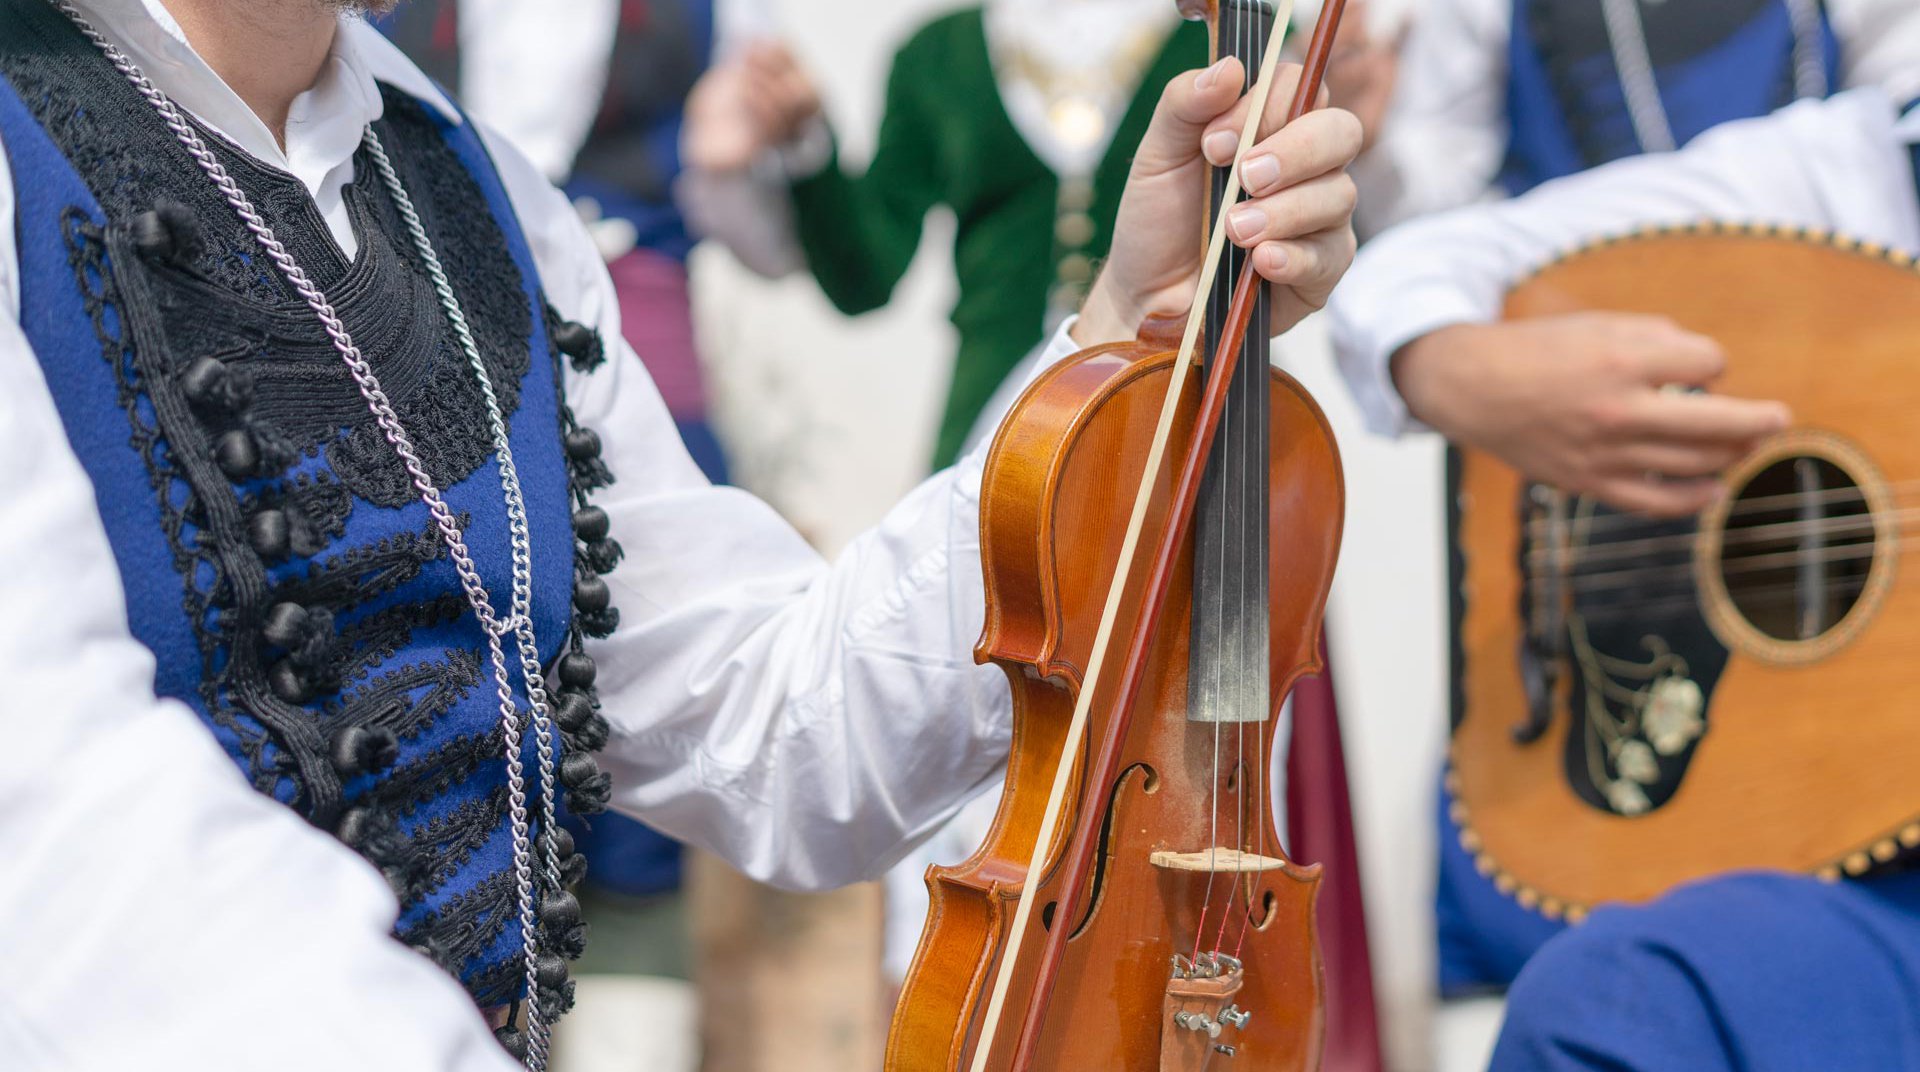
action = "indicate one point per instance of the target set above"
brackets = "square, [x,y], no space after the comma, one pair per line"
[1199,1020]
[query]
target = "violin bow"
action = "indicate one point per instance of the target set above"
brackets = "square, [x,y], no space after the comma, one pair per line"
[1080,853]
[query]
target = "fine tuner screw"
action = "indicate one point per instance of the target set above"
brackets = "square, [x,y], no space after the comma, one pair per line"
[1235,1015]
[1197,1021]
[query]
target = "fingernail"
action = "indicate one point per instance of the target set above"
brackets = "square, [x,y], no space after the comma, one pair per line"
[1246,223]
[1209,76]
[1219,147]
[1259,173]
[1276,258]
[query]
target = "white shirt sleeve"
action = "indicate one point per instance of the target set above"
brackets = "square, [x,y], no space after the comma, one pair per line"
[808,721]
[155,911]
[1879,45]
[1445,130]
[1838,164]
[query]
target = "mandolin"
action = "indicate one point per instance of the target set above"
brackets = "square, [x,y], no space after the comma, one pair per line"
[1157,540]
[1639,703]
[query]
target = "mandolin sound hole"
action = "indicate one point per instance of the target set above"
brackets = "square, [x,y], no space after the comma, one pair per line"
[1798,548]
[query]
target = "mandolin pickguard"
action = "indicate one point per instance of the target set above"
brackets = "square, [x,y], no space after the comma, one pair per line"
[1634,631]
[1805,757]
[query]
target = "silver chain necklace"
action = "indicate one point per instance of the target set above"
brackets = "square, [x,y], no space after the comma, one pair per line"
[1627,36]
[519,621]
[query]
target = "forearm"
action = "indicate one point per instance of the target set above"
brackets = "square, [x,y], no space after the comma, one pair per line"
[1823,164]
[808,721]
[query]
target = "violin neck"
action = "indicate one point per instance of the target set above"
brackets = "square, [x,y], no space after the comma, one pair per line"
[1230,663]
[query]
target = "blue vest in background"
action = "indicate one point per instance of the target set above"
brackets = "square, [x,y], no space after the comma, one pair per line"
[1714,61]
[275,556]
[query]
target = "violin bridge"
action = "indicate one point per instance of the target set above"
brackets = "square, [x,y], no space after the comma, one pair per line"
[1216,861]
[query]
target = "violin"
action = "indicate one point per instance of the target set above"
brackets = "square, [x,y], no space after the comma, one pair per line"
[1158,540]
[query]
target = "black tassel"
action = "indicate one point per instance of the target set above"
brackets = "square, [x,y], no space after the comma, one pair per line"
[589,789]
[601,556]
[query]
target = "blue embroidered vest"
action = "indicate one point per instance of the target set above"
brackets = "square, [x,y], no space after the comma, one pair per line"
[1712,61]
[275,556]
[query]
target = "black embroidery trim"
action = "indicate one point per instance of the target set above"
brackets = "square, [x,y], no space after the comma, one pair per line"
[192,558]
[464,928]
[435,852]
[406,788]
[378,637]
[386,702]
[366,572]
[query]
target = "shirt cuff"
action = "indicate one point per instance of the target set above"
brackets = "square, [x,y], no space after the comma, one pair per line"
[809,153]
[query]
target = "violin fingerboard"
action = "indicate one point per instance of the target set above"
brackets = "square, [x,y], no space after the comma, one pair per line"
[1230,676]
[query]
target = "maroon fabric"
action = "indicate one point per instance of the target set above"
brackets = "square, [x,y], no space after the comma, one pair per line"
[1320,830]
[656,317]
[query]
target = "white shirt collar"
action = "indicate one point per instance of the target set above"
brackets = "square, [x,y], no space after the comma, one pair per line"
[324,124]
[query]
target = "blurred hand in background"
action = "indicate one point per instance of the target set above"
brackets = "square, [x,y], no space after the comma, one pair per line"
[758,100]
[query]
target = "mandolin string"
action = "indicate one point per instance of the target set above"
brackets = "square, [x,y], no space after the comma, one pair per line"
[1608,580]
[1683,601]
[1759,504]
[1600,550]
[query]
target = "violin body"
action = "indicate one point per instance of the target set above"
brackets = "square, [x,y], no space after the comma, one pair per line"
[1055,497]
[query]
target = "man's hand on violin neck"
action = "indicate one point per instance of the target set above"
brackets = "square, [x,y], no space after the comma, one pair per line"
[1586,402]
[1298,221]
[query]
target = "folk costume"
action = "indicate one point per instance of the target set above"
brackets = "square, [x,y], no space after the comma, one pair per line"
[344,527]
[1750,972]
[1021,118]
[1499,96]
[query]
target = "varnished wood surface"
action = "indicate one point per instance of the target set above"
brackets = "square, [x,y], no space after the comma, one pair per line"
[1056,493]
[1804,768]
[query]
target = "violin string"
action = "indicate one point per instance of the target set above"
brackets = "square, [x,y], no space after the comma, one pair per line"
[1252,372]
[1243,472]
[1223,487]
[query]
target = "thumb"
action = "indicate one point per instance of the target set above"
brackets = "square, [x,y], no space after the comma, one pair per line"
[1187,105]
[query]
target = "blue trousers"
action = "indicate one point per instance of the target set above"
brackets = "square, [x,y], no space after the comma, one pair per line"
[1749,973]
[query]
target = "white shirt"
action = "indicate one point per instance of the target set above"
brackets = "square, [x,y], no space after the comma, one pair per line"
[1445,132]
[1840,164]
[807,721]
